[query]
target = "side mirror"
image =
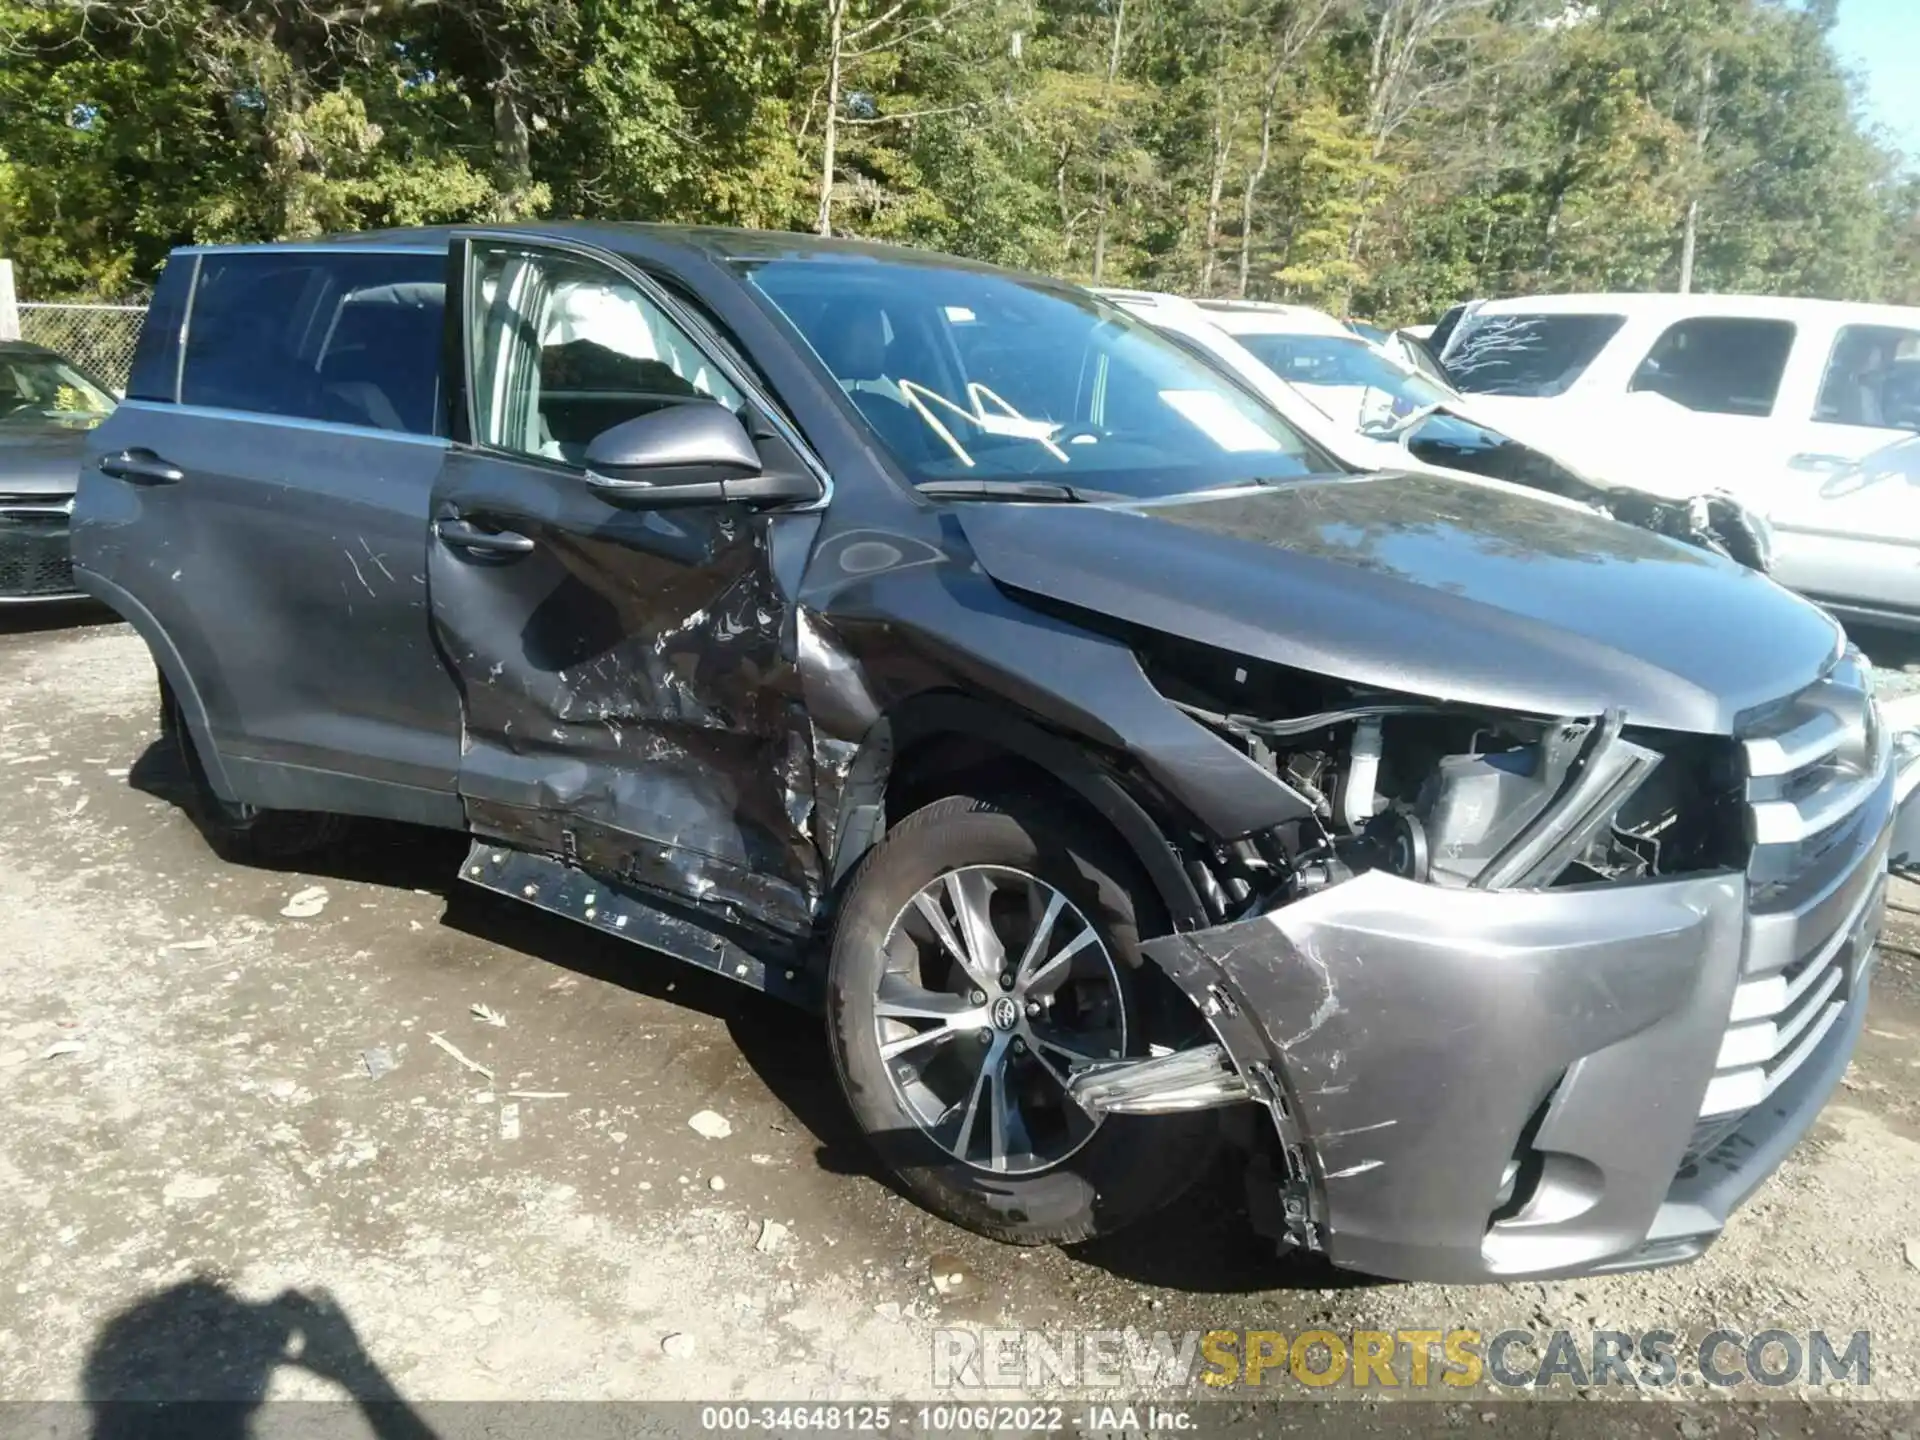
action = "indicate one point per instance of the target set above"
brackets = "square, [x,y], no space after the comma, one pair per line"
[696,453]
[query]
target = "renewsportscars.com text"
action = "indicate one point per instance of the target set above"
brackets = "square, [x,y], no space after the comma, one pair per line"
[1237,1360]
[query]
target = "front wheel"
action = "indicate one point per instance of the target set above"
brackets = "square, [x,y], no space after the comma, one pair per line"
[985,952]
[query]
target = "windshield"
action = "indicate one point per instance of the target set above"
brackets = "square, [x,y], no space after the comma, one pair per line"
[1534,355]
[37,390]
[1340,367]
[964,375]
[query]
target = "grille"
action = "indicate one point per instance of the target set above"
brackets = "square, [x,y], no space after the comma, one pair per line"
[1816,808]
[34,558]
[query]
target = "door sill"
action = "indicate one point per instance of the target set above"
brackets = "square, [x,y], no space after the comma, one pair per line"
[559,888]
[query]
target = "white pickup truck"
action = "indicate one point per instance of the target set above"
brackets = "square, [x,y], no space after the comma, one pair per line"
[1774,400]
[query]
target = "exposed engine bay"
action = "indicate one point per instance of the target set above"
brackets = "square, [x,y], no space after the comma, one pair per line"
[1449,796]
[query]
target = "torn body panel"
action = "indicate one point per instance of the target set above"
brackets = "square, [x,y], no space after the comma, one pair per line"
[917,627]
[630,694]
[1420,1029]
[1494,1083]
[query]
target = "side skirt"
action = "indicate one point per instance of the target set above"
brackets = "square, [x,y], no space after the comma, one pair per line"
[555,886]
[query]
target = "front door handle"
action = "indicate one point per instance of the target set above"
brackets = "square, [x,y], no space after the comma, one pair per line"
[488,542]
[142,467]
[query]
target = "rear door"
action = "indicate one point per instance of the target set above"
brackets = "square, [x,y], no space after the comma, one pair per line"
[264,500]
[1846,510]
[630,700]
[1867,397]
[1725,374]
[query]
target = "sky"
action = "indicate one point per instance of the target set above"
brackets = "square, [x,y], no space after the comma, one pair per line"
[1881,39]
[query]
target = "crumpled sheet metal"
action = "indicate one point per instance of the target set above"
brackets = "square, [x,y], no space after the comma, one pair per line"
[1416,1029]
[675,755]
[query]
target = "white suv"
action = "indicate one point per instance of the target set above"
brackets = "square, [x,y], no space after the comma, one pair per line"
[1767,398]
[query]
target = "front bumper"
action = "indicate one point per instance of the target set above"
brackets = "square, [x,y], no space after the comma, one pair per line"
[35,556]
[1485,1085]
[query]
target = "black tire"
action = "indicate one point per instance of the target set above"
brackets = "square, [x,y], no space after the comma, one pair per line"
[242,832]
[1131,1165]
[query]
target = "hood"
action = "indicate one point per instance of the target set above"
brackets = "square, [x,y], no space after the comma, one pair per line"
[1431,587]
[41,461]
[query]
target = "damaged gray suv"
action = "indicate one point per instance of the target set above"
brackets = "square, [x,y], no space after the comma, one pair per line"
[941,648]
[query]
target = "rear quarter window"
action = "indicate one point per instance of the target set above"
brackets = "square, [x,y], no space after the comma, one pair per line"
[349,337]
[1872,379]
[1536,355]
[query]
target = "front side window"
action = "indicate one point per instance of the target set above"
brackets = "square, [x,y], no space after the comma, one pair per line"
[1719,365]
[1534,355]
[1872,379]
[974,375]
[565,348]
[350,337]
[39,390]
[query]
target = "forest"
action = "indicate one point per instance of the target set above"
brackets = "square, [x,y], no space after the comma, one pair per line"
[1381,158]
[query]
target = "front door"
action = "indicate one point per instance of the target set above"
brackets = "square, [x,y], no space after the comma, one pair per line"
[628,705]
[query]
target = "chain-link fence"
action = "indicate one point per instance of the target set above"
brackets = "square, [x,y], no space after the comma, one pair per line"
[97,338]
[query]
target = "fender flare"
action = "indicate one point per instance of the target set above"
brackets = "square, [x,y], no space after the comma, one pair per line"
[928,715]
[166,657]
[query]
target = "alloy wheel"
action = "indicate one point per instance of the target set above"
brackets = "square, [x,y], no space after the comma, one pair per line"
[996,988]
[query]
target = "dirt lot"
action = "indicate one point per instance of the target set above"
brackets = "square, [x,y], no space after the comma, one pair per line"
[192,1130]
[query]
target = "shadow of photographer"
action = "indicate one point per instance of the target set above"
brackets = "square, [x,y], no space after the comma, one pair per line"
[196,1360]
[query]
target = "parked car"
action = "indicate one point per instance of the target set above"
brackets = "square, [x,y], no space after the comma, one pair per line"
[1851,538]
[1374,413]
[943,647]
[1761,396]
[47,404]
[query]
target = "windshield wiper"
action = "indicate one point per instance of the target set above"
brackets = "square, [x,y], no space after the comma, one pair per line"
[1045,491]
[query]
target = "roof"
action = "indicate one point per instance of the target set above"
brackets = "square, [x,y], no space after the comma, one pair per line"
[713,242]
[1236,317]
[1252,317]
[1667,306]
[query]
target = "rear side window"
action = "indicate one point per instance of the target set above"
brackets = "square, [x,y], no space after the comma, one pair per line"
[1526,354]
[156,354]
[1872,379]
[1719,365]
[343,336]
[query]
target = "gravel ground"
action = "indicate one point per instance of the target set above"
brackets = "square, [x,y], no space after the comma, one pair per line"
[199,1161]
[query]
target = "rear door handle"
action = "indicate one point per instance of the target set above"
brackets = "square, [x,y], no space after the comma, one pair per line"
[142,467]
[488,542]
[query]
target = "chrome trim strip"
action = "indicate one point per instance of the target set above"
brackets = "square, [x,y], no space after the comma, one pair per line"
[1744,1089]
[313,247]
[1775,939]
[1788,822]
[294,422]
[1761,1042]
[1817,737]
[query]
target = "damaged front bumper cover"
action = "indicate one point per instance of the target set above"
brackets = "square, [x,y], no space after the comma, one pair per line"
[1475,1085]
